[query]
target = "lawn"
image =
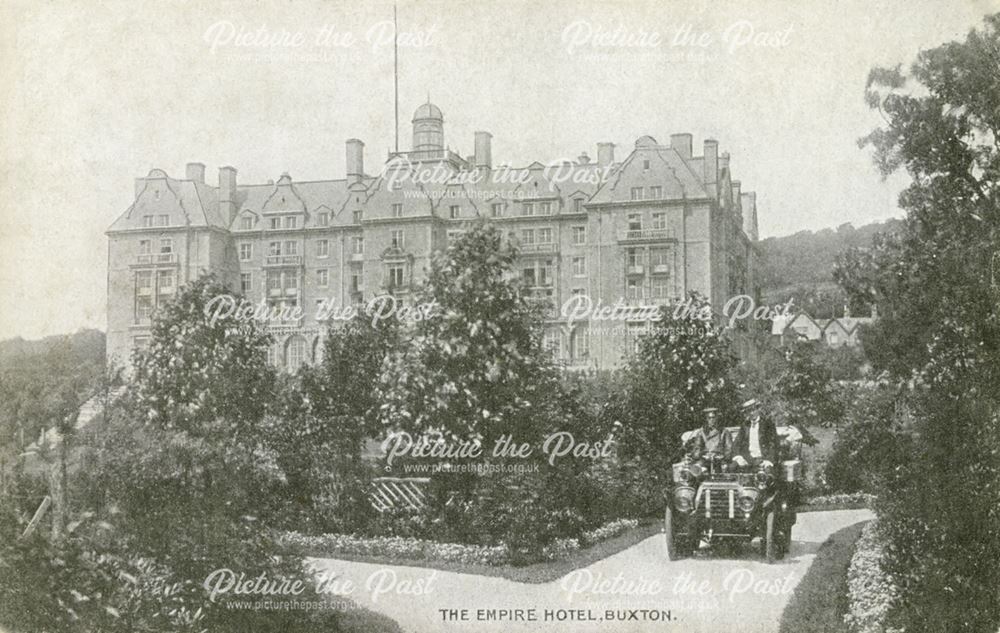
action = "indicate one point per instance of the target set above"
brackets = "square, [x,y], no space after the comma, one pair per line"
[820,600]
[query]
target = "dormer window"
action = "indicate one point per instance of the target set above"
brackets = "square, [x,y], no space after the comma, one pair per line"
[546,208]
[357,217]
[164,220]
[147,221]
[323,219]
[656,192]
[637,193]
[453,211]
[528,209]
[397,210]
[275,223]
[246,223]
[497,209]
[578,205]
[291,222]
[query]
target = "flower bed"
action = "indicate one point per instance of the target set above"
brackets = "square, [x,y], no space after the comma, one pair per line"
[844,500]
[870,590]
[424,550]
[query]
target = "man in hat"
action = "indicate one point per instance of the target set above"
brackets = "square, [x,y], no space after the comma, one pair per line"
[757,441]
[712,437]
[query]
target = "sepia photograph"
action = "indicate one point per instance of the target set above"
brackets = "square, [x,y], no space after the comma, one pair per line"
[494,316]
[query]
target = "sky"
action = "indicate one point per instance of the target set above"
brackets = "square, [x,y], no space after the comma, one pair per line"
[97,93]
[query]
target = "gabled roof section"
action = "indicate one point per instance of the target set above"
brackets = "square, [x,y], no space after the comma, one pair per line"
[184,202]
[666,169]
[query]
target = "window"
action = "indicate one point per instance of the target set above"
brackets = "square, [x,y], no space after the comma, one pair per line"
[147,221]
[659,257]
[357,216]
[545,277]
[637,193]
[246,282]
[295,352]
[246,223]
[578,292]
[143,308]
[397,210]
[144,280]
[634,222]
[291,222]
[546,208]
[528,209]
[634,289]
[395,276]
[545,236]
[145,247]
[356,285]
[246,251]
[275,223]
[273,281]
[164,281]
[274,249]
[581,343]
[659,220]
[579,235]
[166,245]
[634,257]
[656,192]
[528,276]
[323,248]
[290,279]
[164,220]
[645,165]
[497,209]
[323,277]
[551,342]
[291,247]
[527,236]
[578,205]
[453,211]
[357,245]
[323,219]
[579,266]
[397,238]
[661,289]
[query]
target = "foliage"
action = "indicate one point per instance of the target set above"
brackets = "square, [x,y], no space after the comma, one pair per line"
[805,387]
[936,288]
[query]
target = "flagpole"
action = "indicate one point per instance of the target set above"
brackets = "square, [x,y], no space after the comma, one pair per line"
[395,69]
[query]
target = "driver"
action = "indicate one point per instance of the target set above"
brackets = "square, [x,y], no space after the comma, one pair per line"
[712,437]
[757,440]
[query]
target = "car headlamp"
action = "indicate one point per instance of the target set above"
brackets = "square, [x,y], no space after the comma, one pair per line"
[763,477]
[748,500]
[684,499]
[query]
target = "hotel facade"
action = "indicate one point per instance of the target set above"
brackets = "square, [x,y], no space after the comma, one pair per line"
[646,227]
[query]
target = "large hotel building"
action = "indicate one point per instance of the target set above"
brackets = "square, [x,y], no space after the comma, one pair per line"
[645,227]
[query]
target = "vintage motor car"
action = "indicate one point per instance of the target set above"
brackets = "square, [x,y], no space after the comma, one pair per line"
[709,501]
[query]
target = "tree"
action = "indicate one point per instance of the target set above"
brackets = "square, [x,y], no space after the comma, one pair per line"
[682,366]
[476,368]
[939,333]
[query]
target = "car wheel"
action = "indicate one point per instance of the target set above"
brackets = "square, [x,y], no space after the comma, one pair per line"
[677,544]
[771,542]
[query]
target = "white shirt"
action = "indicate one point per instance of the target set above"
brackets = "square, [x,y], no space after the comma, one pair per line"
[755,438]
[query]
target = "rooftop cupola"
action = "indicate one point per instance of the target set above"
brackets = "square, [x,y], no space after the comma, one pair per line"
[428,128]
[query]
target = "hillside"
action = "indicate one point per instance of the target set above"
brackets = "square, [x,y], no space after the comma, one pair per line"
[800,265]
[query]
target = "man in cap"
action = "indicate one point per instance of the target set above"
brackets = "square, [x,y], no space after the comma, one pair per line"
[757,441]
[712,437]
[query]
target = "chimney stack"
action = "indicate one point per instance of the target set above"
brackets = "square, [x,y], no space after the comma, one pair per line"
[711,158]
[681,143]
[355,160]
[484,152]
[196,172]
[737,191]
[724,162]
[227,193]
[605,154]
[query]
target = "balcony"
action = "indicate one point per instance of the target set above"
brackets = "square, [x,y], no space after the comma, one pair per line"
[646,235]
[661,269]
[546,247]
[635,269]
[357,257]
[427,155]
[148,259]
[283,260]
